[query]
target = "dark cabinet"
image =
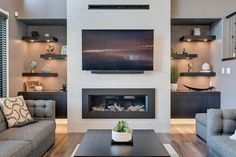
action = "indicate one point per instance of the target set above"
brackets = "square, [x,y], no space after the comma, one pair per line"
[187,104]
[59,97]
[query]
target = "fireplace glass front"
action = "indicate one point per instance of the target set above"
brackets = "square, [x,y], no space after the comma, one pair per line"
[127,103]
[118,103]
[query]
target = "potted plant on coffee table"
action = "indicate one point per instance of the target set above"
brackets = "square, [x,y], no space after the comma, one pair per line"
[122,132]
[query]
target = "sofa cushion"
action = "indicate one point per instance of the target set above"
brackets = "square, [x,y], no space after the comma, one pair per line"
[35,133]
[15,111]
[222,145]
[3,122]
[15,148]
[229,121]
[201,118]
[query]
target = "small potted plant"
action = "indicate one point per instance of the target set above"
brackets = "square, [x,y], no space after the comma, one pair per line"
[122,132]
[174,77]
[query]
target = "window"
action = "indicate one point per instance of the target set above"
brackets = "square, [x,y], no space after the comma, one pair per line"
[3,54]
[230,36]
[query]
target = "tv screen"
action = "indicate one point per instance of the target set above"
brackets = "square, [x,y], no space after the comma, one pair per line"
[117,49]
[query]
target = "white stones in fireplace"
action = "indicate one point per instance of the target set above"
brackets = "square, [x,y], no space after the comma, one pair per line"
[117,107]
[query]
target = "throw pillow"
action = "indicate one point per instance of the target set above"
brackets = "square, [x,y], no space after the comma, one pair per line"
[15,111]
[233,137]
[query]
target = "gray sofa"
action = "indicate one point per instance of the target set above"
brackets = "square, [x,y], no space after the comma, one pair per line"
[31,140]
[201,125]
[215,127]
[220,125]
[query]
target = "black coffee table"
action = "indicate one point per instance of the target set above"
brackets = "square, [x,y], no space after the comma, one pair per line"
[98,143]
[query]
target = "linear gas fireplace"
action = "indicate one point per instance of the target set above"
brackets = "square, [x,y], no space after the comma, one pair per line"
[118,103]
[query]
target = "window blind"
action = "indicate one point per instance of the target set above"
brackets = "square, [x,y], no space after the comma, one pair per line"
[3,55]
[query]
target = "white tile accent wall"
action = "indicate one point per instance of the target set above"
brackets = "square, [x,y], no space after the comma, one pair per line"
[157,18]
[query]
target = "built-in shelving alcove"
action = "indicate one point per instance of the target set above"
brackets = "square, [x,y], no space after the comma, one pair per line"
[189,53]
[46,42]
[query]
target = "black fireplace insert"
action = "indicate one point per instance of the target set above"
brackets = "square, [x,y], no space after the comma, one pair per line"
[118,103]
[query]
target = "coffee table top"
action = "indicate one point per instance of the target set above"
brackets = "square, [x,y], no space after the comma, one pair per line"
[98,143]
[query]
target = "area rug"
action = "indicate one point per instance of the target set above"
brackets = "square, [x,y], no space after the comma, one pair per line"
[168,147]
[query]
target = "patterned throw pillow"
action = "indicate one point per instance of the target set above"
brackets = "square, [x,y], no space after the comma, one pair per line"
[15,111]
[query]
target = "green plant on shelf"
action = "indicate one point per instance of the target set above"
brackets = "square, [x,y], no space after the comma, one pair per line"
[174,74]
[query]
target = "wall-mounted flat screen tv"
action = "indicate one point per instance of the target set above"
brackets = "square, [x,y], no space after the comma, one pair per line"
[117,50]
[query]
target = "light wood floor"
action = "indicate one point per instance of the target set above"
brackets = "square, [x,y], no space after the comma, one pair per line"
[182,138]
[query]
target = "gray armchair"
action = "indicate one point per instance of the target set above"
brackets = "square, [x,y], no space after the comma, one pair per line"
[220,125]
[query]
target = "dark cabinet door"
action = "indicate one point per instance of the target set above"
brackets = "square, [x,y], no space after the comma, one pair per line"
[210,100]
[187,104]
[59,97]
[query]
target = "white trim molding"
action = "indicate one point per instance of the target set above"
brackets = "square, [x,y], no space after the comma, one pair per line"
[4,12]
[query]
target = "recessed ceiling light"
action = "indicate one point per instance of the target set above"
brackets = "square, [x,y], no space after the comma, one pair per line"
[31,41]
[188,40]
[204,39]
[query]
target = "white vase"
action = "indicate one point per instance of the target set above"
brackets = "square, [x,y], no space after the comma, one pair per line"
[121,136]
[38,88]
[174,86]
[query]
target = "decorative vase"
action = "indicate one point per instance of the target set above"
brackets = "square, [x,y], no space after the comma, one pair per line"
[121,136]
[174,86]
[197,31]
[205,67]
[38,88]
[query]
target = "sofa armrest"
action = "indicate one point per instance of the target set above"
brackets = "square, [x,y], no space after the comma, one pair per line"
[214,122]
[41,109]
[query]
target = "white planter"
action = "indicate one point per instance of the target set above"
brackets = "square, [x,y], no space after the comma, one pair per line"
[121,136]
[174,86]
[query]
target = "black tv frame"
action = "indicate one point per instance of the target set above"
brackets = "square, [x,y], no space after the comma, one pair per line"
[120,71]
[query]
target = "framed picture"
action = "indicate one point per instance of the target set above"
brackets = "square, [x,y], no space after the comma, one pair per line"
[30,85]
[63,49]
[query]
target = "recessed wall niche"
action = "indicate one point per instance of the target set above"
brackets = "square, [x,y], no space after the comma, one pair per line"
[35,51]
[201,49]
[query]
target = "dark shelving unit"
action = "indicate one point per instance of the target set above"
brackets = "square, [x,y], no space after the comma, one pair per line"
[53,56]
[196,74]
[187,104]
[202,38]
[39,39]
[184,56]
[40,74]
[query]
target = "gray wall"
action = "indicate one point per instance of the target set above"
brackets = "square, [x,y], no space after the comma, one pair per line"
[17,48]
[41,9]
[224,82]
[201,8]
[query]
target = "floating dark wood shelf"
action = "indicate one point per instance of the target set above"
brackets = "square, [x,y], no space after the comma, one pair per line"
[195,74]
[202,38]
[228,59]
[53,56]
[40,74]
[39,39]
[184,56]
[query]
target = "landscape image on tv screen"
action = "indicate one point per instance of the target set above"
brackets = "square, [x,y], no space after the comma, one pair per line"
[117,49]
